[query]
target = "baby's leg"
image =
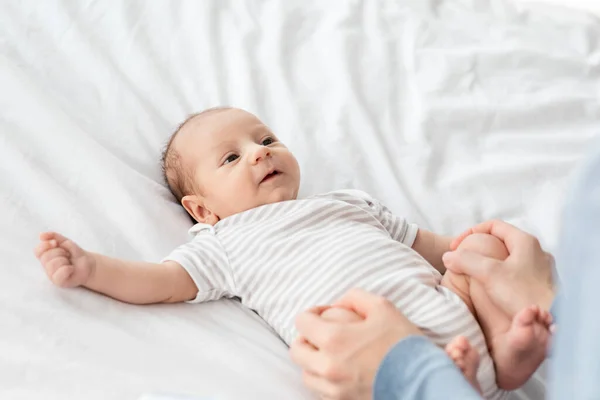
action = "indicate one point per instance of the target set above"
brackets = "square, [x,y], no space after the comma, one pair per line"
[466,359]
[517,346]
[459,349]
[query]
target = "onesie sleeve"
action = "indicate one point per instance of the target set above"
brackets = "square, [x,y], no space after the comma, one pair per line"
[397,226]
[206,262]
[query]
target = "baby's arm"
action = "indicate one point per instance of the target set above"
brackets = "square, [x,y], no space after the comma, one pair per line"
[136,282]
[432,247]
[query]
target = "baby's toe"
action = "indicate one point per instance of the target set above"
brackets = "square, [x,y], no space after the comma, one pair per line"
[547,319]
[460,342]
[526,316]
[453,351]
[458,353]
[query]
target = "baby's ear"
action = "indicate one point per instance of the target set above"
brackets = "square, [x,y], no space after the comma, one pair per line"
[194,205]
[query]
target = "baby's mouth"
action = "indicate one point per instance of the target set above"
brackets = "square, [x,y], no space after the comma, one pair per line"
[270,176]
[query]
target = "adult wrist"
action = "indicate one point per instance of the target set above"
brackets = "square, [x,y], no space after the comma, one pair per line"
[547,299]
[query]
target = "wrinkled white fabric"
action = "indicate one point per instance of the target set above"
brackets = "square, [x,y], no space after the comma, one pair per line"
[448,111]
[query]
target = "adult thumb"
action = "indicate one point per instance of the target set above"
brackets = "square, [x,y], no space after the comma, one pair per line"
[469,263]
[362,302]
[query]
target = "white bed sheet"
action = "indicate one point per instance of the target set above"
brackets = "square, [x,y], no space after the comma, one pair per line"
[451,112]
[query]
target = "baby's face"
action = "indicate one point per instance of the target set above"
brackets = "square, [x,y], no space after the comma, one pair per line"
[237,163]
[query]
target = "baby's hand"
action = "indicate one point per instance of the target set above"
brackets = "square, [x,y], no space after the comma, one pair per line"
[66,264]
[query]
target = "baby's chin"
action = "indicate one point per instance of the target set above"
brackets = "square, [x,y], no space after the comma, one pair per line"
[282,194]
[276,196]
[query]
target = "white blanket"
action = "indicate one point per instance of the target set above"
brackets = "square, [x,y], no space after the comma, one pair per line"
[451,112]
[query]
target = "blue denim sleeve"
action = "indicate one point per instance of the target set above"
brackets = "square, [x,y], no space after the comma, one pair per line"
[575,368]
[415,368]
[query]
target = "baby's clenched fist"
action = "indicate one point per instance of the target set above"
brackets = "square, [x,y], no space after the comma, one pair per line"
[66,264]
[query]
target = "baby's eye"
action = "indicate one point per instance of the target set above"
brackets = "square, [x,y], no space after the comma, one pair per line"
[268,141]
[231,158]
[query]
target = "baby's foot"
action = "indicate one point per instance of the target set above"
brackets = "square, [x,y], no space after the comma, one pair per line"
[466,358]
[520,351]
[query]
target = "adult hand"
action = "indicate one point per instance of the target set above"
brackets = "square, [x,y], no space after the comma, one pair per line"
[524,278]
[340,359]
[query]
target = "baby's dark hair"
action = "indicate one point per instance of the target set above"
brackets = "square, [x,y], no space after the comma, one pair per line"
[180,178]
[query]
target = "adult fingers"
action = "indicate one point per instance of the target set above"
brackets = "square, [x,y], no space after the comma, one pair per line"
[311,359]
[470,263]
[324,388]
[363,303]
[318,310]
[513,237]
[317,330]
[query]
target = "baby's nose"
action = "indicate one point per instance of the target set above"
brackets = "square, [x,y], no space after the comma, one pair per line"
[260,154]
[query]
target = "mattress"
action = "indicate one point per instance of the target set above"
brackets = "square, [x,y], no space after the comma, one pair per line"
[450,112]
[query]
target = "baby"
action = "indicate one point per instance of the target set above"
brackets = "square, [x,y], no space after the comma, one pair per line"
[281,255]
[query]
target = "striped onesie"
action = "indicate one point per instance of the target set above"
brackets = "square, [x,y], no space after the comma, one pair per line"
[283,258]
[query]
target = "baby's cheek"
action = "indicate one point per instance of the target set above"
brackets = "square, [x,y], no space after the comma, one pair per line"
[339,314]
